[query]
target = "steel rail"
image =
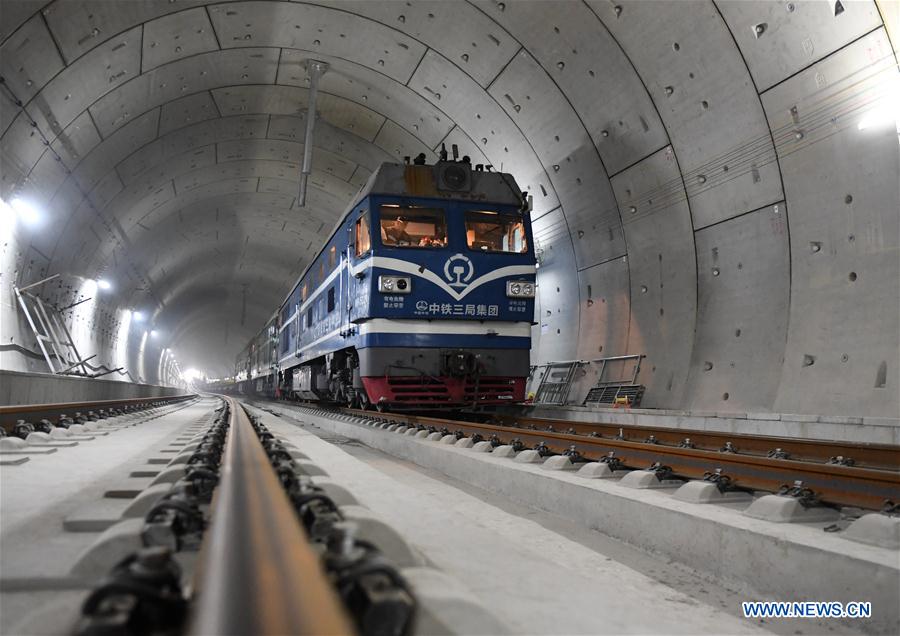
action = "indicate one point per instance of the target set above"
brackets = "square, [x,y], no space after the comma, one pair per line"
[10,413]
[834,484]
[258,573]
[865,455]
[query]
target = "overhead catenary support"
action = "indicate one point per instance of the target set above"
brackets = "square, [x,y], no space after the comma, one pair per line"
[315,69]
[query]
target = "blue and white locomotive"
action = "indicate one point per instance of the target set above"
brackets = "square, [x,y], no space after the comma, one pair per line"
[423,296]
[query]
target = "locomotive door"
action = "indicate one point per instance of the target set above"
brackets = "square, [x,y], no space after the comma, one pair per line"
[297,329]
[358,251]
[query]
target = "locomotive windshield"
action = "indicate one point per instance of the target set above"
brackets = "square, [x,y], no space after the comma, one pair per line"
[409,226]
[493,232]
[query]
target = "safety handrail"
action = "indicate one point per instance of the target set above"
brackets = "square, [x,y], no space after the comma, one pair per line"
[258,571]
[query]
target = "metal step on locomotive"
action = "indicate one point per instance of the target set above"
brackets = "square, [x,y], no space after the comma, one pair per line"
[423,297]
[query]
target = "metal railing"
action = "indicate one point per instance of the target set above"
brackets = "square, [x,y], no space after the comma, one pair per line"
[258,572]
[557,378]
[556,382]
[51,333]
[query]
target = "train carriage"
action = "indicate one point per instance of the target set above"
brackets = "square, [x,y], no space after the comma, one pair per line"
[423,296]
[256,366]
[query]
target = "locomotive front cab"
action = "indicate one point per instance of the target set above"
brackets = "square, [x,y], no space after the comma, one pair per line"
[444,301]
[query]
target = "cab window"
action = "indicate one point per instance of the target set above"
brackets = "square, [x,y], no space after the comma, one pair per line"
[363,237]
[493,232]
[411,226]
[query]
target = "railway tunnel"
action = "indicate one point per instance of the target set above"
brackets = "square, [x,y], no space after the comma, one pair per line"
[714,194]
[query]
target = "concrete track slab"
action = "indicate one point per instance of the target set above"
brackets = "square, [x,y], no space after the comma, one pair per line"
[864,430]
[35,499]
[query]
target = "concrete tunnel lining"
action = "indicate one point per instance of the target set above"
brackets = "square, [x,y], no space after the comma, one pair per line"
[684,168]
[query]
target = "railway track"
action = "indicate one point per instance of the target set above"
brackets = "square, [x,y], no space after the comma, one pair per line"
[261,550]
[816,471]
[234,537]
[880,456]
[259,573]
[65,414]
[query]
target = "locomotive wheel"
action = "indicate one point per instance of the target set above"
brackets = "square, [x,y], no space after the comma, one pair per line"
[363,400]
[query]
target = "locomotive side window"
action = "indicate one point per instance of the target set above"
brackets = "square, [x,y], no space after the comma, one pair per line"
[405,226]
[493,232]
[331,300]
[363,238]
[332,258]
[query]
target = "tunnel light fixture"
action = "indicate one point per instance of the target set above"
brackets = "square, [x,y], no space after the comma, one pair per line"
[154,333]
[886,109]
[104,284]
[137,316]
[7,218]
[26,211]
[877,117]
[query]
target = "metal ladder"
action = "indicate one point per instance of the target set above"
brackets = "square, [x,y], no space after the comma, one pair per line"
[50,330]
[555,385]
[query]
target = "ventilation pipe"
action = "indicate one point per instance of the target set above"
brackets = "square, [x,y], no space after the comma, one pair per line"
[316,70]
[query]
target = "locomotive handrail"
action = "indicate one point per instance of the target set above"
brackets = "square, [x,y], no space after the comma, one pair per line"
[258,573]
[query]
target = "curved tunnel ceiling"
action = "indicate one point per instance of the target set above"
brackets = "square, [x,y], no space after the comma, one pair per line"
[655,137]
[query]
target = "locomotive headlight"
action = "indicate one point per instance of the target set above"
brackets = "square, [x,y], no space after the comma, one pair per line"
[394,284]
[520,289]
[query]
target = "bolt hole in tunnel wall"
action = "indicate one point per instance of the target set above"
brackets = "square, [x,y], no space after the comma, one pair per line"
[714,183]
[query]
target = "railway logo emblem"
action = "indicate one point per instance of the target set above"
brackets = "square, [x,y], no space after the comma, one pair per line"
[459,270]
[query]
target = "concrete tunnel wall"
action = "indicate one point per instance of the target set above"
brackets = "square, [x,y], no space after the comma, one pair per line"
[712,184]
